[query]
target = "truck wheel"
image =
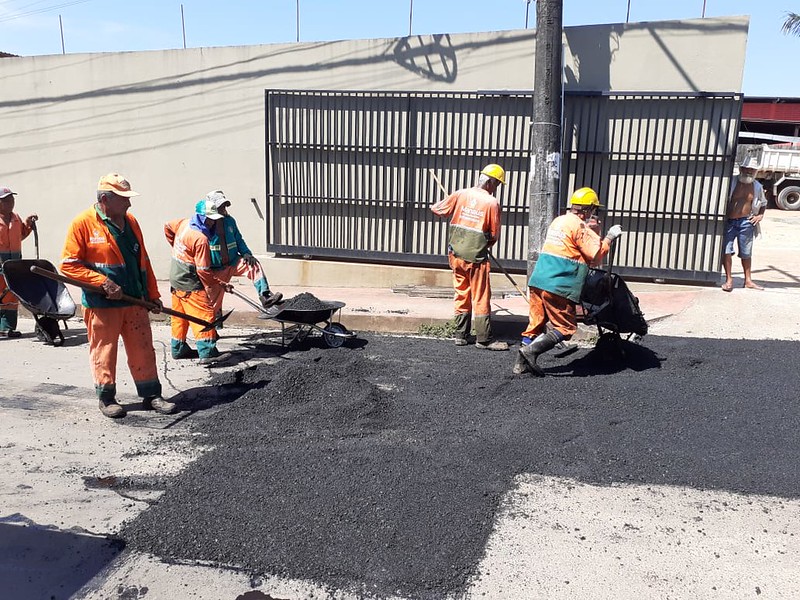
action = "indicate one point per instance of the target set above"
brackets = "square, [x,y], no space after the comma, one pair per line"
[789,198]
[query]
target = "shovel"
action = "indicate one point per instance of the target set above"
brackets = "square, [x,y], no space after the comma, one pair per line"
[207,326]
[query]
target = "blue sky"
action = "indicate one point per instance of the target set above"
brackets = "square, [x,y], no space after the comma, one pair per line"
[30,27]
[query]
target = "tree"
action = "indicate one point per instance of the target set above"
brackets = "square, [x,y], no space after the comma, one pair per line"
[791,26]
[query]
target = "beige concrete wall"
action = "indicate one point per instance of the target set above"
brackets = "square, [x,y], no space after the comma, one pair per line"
[179,123]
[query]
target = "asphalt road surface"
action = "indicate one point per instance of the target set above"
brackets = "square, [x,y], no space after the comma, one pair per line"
[381,469]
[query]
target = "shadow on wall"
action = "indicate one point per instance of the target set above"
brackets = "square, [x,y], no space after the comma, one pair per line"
[433,58]
[37,562]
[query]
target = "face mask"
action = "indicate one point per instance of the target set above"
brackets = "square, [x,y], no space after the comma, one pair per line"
[746,178]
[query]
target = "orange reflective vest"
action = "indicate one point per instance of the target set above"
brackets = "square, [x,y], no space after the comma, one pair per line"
[474,222]
[91,255]
[190,269]
[569,248]
[11,236]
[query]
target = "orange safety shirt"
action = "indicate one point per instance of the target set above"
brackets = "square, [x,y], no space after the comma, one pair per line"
[474,222]
[91,255]
[569,248]
[11,236]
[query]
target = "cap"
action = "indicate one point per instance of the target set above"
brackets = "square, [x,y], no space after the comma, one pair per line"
[5,192]
[114,182]
[208,209]
[218,198]
[749,162]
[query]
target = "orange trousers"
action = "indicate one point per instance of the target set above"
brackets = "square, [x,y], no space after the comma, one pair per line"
[104,327]
[197,305]
[545,307]
[473,287]
[241,269]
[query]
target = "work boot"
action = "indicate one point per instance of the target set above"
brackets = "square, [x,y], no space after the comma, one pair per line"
[220,360]
[543,343]
[161,406]
[270,299]
[111,409]
[495,345]
[521,365]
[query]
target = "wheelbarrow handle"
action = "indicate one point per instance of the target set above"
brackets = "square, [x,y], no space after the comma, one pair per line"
[207,326]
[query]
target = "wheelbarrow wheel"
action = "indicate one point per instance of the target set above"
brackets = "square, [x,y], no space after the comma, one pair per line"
[329,334]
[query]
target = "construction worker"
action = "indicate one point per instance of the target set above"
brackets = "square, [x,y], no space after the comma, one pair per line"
[572,245]
[105,248]
[745,210]
[231,257]
[192,281]
[474,228]
[12,231]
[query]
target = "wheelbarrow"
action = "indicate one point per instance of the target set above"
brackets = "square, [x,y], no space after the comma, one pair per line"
[48,301]
[297,323]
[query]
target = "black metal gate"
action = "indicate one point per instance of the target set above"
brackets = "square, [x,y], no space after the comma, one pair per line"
[351,175]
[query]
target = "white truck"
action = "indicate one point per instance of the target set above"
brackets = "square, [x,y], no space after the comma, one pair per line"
[779,173]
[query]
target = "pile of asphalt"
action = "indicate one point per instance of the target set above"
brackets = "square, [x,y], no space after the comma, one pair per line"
[305,301]
[381,469]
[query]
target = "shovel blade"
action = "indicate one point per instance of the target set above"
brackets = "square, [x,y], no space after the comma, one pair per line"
[216,322]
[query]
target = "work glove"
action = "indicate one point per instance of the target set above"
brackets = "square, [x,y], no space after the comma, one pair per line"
[250,260]
[614,232]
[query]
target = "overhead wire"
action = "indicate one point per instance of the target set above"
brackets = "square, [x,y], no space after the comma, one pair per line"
[19,15]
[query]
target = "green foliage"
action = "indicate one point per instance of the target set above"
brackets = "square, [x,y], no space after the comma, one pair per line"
[791,26]
[438,330]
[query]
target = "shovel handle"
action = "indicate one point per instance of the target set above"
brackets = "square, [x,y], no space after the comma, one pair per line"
[138,301]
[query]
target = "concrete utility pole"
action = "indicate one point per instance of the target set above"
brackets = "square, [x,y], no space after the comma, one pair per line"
[546,159]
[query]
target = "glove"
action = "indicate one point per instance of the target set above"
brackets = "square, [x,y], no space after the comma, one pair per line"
[614,232]
[249,259]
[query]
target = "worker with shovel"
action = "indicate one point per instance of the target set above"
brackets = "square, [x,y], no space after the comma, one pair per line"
[571,246]
[193,282]
[474,228]
[12,231]
[231,257]
[105,250]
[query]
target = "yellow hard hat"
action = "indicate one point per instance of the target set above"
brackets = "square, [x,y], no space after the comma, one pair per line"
[495,171]
[584,197]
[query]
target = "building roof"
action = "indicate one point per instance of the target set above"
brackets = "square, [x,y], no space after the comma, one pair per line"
[774,110]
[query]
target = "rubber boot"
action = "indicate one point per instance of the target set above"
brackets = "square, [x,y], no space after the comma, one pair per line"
[521,365]
[463,323]
[543,343]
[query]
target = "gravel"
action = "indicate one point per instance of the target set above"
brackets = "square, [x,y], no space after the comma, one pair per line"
[380,469]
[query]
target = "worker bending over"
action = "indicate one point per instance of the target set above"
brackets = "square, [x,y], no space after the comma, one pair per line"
[192,281]
[231,257]
[571,246]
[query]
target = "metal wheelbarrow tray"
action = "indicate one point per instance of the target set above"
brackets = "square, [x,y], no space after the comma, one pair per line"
[47,300]
[299,323]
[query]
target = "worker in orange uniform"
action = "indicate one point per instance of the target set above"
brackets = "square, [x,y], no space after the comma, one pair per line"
[231,257]
[105,248]
[474,228]
[571,246]
[12,231]
[192,281]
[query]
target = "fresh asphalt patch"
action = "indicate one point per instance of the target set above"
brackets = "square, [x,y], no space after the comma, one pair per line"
[380,470]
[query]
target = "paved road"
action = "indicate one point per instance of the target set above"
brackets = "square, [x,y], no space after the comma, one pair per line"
[613,520]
